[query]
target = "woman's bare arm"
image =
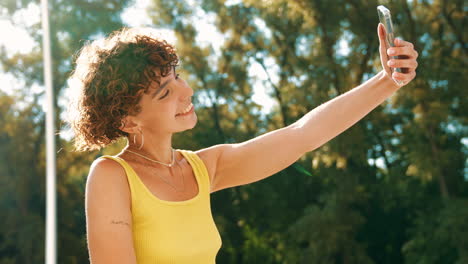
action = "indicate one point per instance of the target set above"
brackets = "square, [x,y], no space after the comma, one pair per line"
[108,214]
[263,156]
[258,158]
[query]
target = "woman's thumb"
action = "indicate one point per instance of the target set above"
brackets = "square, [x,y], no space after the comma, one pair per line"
[381,33]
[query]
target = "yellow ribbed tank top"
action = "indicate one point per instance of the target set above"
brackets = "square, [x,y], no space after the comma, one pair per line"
[168,232]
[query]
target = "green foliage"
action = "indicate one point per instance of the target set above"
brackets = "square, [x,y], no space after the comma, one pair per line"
[22,135]
[328,234]
[391,189]
[440,238]
[21,202]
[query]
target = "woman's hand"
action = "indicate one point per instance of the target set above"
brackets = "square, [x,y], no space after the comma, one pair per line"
[406,60]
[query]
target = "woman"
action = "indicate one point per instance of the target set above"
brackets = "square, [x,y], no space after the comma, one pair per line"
[151,203]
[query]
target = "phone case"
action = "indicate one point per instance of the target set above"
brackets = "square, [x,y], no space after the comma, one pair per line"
[386,19]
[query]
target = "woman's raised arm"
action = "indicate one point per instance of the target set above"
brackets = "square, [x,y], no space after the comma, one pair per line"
[253,160]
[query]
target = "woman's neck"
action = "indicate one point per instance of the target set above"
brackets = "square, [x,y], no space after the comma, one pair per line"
[160,150]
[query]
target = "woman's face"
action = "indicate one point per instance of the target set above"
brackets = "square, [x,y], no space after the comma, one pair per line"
[167,108]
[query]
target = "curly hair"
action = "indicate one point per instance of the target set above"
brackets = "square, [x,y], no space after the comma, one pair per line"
[109,80]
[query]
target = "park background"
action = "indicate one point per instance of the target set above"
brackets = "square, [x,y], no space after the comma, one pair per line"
[391,189]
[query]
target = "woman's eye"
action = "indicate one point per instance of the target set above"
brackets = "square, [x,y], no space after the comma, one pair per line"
[165,94]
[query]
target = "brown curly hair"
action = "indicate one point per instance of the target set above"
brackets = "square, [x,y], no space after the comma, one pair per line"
[109,79]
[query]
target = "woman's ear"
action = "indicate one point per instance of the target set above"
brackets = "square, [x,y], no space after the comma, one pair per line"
[129,125]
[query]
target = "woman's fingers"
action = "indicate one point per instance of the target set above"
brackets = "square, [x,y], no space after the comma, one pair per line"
[403,56]
[405,78]
[403,63]
[402,43]
[381,33]
[406,51]
[403,48]
[383,48]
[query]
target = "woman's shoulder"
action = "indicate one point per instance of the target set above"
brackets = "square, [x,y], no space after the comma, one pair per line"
[107,164]
[106,172]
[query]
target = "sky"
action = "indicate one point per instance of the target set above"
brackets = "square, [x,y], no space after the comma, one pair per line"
[18,40]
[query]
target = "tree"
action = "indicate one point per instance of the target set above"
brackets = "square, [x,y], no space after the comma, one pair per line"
[23,135]
[363,179]
[391,189]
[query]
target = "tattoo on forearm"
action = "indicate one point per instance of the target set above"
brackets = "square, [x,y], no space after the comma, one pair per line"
[120,223]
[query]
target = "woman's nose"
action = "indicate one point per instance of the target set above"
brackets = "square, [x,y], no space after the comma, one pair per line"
[186,91]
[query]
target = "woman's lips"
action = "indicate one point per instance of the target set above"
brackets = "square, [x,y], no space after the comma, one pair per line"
[188,113]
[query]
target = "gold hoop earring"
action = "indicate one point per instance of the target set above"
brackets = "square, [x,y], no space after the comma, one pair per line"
[142,140]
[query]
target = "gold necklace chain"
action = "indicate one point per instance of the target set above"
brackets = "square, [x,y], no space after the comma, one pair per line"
[167,165]
[183,179]
[159,162]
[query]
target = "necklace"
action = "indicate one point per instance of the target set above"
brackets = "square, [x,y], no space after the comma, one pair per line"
[159,162]
[167,165]
[183,179]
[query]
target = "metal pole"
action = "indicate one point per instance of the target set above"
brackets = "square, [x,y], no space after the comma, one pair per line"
[51,226]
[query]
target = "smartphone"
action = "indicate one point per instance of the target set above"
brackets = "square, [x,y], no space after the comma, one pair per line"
[386,19]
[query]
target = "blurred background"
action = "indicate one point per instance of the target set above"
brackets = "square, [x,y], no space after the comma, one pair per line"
[391,189]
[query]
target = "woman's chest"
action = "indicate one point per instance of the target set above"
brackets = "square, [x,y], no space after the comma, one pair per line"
[174,184]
